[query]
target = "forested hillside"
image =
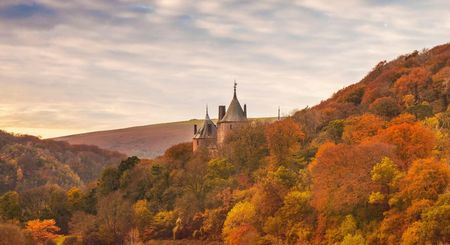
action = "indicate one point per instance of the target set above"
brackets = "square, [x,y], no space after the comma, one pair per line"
[27,162]
[368,166]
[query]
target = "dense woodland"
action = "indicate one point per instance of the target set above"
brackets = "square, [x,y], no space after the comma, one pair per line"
[27,162]
[368,166]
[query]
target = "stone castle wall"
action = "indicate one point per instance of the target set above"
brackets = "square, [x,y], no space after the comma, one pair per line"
[225,128]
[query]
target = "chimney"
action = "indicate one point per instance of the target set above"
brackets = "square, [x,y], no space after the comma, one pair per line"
[222,110]
[245,110]
[195,129]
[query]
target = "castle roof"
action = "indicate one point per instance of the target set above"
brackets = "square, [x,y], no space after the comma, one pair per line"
[235,113]
[208,130]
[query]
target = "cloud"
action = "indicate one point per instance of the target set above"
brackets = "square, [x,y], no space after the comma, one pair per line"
[90,65]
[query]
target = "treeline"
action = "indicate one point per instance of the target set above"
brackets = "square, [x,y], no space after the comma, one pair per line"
[373,181]
[368,166]
[27,162]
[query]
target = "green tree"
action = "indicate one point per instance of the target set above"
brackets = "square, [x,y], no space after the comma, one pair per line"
[334,130]
[127,164]
[9,206]
[109,181]
[386,107]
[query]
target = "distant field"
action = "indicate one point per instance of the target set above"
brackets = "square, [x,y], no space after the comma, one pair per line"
[142,141]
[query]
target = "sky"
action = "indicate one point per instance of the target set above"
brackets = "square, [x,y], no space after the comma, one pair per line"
[76,66]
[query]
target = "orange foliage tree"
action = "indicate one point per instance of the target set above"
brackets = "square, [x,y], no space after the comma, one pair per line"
[284,139]
[412,140]
[361,127]
[244,234]
[41,231]
[426,179]
[341,175]
[412,81]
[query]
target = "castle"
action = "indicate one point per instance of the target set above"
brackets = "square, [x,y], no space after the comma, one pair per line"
[211,136]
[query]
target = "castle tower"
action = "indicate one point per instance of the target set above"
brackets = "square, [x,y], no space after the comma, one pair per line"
[206,136]
[234,118]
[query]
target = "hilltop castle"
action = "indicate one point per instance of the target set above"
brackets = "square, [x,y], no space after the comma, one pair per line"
[211,136]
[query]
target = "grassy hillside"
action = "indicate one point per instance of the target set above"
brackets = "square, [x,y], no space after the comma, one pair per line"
[144,141]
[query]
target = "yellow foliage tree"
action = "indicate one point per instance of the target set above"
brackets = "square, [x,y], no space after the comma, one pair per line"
[243,213]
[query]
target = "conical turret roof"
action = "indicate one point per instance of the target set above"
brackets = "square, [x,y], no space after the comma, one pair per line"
[235,113]
[208,130]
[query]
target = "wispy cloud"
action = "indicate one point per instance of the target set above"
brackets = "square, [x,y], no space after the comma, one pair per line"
[89,65]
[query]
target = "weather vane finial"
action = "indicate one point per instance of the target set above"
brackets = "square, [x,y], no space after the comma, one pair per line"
[235,85]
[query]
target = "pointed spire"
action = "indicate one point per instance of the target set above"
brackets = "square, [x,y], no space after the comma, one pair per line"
[207,114]
[279,114]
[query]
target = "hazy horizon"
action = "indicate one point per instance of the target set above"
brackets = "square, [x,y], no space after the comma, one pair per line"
[70,67]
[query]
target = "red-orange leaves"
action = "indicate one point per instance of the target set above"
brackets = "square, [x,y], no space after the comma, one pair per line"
[361,127]
[283,138]
[426,179]
[413,81]
[412,140]
[341,175]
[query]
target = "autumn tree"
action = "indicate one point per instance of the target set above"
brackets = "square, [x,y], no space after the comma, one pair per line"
[361,127]
[114,217]
[412,141]
[141,215]
[246,147]
[46,202]
[387,175]
[426,179]
[293,219]
[413,81]
[11,234]
[344,233]
[244,234]
[9,206]
[178,155]
[334,130]
[75,198]
[284,139]
[243,213]
[386,107]
[83,225]
[42,231]
[109,181]
[161,225]
[403,118]
[434,227]
[341,175]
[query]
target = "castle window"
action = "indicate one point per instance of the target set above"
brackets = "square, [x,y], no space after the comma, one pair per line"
[209,129]
[231,126]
